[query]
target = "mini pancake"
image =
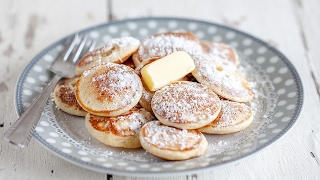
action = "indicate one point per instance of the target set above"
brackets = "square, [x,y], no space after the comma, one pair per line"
[109,89]
[163,44]
[65,99]
[233,117]
[221,52]
[185,105]
[117,50]
[171,143]
[119,131]
[223,77]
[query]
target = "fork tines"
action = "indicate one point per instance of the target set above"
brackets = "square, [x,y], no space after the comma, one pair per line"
[78,46]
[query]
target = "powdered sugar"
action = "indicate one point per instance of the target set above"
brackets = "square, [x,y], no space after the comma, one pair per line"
[133,120]
[225,142]
[220,51]
[116,81]
[114,46]
[232,113]
[162,45]
[221,75]
[169,137]
[184,102]
[147,95]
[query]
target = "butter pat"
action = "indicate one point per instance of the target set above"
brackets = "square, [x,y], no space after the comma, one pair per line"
[167,69]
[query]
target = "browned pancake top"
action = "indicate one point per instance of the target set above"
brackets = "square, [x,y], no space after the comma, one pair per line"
[108,89]
[66,92]
[111,47]
[126,124]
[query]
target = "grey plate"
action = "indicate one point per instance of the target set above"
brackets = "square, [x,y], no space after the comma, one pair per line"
[277,104]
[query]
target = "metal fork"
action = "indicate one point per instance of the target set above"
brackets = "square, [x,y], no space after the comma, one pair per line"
[21,131]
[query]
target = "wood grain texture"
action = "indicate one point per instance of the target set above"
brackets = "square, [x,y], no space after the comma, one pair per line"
[308,17]
[292,26]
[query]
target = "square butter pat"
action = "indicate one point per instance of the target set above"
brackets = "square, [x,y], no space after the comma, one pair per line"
[167,69]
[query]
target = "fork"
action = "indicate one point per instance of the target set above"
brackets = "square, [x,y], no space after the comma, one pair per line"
[21,131]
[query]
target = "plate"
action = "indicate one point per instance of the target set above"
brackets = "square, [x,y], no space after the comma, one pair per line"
[277,105]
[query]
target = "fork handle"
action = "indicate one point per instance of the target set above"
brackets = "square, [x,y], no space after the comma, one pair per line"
[21,131]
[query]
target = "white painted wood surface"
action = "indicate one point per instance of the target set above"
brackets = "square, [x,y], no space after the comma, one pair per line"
[292,26]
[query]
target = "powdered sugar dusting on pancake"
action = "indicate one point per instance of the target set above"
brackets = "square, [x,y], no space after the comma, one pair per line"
[160,45]
[165,137]
[185,102]
[109,89]
[112,48]
[222,76]
[116,80]
[220,51]
[125,124]
[232,113]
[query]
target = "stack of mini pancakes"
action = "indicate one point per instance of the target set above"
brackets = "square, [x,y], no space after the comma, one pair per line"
[120,110]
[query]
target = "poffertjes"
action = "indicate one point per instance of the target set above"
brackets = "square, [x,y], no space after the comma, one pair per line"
[120,107]
[119,131]
[65,98]
[234,117]
[172,143]
[160,45]
[109,89]
[223,77]
[185,105]
[117,50]
[220,51]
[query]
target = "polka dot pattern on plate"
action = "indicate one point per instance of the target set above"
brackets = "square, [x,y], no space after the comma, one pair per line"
[211,30]
[68,151]
[281,103]
[27,92]
[94,34]
[152,24]
[247,42]
[261,60]
[277,80]
[38,89]
[172,24]
[43,78]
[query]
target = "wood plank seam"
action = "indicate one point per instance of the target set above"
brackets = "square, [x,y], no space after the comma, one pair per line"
[110,11]
[297,5]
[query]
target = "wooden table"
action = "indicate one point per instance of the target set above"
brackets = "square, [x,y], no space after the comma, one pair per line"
[292,26]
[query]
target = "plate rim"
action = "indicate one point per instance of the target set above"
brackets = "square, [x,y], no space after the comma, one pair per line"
[91,166]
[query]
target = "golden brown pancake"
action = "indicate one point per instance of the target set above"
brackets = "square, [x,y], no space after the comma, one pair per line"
[119,131]
[163,44]
[223,77]
[65,99]
[233,117]
[109,89]
[171,143]
[185,105]
[220,51]
[117,50]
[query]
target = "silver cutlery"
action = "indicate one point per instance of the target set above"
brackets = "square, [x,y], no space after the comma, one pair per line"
[21,131]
